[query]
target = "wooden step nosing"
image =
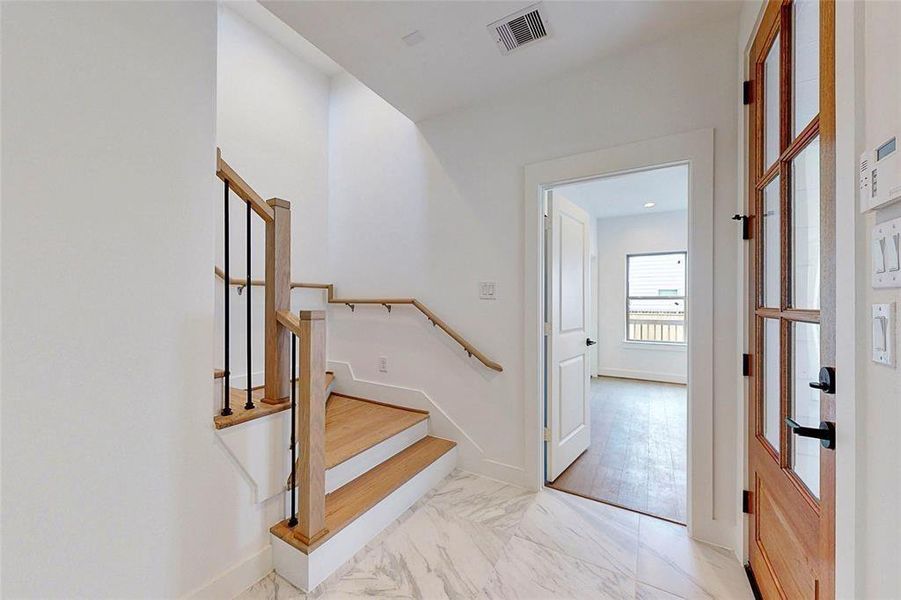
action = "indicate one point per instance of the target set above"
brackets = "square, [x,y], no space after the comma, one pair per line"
[307,570]
[414,433]
[282,531]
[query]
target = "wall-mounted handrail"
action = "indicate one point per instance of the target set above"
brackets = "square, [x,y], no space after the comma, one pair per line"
[388,302]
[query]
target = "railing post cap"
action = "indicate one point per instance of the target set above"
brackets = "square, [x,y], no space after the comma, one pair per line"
[278,203]
[312,315]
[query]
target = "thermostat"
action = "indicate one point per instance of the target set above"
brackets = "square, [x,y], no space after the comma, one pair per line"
[880,176]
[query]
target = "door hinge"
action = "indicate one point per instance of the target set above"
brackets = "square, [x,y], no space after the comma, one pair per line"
[746,365]
[547,329]
[747,502]
[547,434]
[745,225]
[746,92]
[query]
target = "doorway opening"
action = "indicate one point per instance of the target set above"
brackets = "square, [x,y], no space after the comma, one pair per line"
[616,296]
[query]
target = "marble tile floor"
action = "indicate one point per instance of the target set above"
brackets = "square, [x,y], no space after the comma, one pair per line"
[474,537]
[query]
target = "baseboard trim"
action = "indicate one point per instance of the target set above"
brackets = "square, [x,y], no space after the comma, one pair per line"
[236,579]
[643,375]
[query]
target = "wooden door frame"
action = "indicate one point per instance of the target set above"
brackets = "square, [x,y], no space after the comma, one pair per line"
[705,520]
[823,127]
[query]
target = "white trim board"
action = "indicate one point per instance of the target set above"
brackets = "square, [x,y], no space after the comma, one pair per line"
[696,149]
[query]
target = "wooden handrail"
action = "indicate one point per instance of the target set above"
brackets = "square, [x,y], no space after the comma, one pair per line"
[431,316]
[241,187]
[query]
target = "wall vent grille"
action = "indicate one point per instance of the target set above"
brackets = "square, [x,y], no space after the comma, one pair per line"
[520,28]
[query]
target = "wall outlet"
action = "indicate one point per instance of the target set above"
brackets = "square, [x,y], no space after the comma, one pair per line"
[383,364]
[487,290]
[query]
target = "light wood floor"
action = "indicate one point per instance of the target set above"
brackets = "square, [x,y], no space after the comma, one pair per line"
[638,448]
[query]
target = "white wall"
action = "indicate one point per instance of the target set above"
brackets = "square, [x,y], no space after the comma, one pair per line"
[879,412]
[617,237]
[431,210]
[113,484]
[272,127]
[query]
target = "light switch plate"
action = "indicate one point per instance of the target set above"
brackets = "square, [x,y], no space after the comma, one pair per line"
[882,335]
[487,290]
[886,260]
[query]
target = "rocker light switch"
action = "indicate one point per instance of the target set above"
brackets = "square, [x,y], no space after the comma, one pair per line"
[886,248]
[883,323]
[890,252]
[879,255]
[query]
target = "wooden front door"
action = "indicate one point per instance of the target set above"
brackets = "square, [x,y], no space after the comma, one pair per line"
[790,203]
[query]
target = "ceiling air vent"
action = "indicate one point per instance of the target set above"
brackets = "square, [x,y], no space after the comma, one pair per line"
[520,28]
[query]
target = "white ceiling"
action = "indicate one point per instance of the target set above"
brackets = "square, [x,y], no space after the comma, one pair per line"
[622,195]
[458,64]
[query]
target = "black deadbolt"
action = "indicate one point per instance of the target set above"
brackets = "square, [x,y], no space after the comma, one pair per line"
[826,384]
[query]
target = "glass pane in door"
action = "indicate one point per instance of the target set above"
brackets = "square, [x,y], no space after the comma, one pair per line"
[771,417]
[806,67]
[805,402]
[805,227]
[771,105]
[771,247]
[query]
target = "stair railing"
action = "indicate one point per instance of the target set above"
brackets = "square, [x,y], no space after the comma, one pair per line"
[308,473]
[276,214]
[283,366]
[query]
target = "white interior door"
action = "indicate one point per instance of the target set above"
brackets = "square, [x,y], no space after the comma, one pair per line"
[568,410]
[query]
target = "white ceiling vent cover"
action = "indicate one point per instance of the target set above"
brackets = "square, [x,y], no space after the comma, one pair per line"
[520,28]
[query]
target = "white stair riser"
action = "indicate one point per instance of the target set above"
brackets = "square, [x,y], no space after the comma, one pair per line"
[308,571]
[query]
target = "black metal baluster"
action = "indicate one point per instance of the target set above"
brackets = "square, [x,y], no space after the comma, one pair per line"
[293,521]
[226,410]
[249,404]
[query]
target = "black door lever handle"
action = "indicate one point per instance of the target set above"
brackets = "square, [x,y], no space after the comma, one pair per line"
[825,432]
[590,342]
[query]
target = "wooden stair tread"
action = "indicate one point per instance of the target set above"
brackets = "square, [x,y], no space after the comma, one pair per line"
[353,425]
[237,398]
[346,504]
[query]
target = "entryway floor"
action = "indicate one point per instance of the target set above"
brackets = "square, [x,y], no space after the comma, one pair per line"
[474,537]
[638,448]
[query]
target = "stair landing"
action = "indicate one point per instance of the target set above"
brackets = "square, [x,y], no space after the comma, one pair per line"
[353,425]
[238,397]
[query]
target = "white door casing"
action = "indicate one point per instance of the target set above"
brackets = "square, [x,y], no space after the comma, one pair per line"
[569,371]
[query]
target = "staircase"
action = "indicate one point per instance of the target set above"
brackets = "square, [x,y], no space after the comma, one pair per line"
[355,464]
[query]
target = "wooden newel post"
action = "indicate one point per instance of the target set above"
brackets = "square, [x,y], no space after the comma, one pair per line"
[278,297]
[311,427]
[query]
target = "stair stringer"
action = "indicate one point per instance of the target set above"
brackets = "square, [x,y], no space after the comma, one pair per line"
[471,456]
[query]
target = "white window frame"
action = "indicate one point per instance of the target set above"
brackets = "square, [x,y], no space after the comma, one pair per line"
[626,339]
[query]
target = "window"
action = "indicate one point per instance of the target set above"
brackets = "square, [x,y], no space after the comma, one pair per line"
[655,298]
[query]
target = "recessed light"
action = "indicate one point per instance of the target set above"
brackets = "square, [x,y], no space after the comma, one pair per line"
[650,204]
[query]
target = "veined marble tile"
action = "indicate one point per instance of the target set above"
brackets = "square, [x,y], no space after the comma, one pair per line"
[431,555]
[529,571]
[271,587]
[481,500]
[668,559]
[647,592]
[591,531]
